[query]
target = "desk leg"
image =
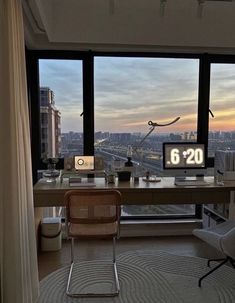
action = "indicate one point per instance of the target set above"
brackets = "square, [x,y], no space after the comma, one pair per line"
[232,206]
[38,214]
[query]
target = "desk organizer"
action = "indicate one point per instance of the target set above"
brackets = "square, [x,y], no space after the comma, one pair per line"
[84,173]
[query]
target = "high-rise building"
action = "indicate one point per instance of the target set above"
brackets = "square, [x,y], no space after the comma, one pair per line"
[50,123]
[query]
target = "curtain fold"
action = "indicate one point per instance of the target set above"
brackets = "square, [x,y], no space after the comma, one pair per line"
[18,255]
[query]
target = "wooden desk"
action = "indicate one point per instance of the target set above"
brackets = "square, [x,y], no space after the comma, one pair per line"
[144,193]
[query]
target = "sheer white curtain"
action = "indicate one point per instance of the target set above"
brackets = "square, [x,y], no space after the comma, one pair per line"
[18,267]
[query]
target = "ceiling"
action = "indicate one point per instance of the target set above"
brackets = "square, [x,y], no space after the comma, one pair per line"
[140,25]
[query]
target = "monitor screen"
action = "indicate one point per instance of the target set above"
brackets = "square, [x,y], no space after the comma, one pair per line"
[183,156]
[84,162]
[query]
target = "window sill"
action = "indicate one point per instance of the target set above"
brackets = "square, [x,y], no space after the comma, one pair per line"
[144,228]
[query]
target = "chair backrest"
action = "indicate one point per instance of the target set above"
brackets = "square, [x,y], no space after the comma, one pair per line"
[93,206]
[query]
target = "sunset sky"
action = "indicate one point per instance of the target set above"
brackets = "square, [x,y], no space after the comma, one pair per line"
[131,91]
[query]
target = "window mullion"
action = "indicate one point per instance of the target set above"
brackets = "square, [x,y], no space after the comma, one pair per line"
[88,104]
[203,100]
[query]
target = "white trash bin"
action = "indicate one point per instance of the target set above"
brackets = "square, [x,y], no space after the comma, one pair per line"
[51,236]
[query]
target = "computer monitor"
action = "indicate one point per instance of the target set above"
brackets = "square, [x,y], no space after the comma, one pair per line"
[184,159]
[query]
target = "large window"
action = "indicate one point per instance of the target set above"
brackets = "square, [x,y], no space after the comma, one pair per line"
[222,91]
[61,107]
[96,103]
[130,92]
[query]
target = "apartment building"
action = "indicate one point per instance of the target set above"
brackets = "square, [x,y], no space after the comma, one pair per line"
[50,118]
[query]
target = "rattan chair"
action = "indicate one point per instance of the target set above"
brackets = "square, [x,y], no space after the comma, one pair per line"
[222,237]
[91,214]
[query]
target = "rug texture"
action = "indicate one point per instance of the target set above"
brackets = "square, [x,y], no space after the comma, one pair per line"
[145,277]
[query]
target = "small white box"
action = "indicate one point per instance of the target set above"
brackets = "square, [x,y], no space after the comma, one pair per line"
[51,236]
[225,164]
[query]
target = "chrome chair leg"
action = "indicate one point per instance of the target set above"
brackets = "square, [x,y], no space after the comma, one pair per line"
[83,295]
[71,266]
[72,249]
[114,249]
[69,279]
[115,267]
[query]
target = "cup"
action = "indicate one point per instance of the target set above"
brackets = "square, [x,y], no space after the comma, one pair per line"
[136,179]
[110,178]
[124,175]
[219,178]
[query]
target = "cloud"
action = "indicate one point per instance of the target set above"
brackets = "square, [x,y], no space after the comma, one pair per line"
[128,92]
[64,77]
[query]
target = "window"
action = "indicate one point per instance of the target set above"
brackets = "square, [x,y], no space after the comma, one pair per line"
[61,106]
[222,91]
[119,96]
[44,119]
[130,92]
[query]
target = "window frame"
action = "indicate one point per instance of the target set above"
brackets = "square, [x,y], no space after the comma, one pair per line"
[216,59]
[32,67]
[87,57]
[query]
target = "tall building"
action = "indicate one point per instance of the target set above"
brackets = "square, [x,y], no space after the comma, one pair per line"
[50,123]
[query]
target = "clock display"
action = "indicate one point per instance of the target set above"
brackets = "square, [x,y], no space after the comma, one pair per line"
[183,155]
[84,162]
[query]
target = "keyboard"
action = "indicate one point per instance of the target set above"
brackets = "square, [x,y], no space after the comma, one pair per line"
[190,182]
[82,184]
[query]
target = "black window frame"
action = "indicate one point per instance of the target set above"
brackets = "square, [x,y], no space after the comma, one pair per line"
[214,59]
[32,66]
[87,58]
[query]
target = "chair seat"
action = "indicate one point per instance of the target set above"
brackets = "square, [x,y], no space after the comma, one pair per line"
[213,235]
[222,237]
[223,228]
[93,230]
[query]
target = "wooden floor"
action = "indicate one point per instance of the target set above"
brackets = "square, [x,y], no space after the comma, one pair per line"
[183,245]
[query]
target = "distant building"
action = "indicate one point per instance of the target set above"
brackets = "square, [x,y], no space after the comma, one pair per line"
[217,135]
[175,137]
[227,135]
[193,136]
[50,123]
[233,135]
[98,135]
[120,137]
[71,144]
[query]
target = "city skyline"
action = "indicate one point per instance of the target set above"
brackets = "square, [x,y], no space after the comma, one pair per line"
[124,86]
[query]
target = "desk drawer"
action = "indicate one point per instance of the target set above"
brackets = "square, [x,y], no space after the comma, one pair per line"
[48,199]
[143,198]
[210,197]
[172,198]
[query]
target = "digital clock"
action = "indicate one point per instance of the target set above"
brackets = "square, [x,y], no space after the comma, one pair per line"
[183,155]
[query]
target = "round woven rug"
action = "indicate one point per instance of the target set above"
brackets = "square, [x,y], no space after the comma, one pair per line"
[145,277]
